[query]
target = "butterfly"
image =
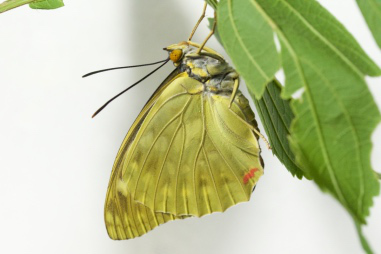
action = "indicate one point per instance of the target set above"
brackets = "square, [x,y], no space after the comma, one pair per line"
[193,149]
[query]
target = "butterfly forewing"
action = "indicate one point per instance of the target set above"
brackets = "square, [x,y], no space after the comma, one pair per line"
[124,217]
[127,219]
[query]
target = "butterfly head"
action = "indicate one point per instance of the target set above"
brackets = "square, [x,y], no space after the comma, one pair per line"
[207,65]
[177,52]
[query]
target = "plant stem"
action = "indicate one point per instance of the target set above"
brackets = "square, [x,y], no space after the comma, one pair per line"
[10,4]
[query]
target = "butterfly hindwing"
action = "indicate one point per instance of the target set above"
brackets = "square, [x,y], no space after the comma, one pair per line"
[192,155]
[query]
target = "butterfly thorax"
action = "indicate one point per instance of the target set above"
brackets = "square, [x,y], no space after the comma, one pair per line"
[212,71]
[208,67]
[216,75]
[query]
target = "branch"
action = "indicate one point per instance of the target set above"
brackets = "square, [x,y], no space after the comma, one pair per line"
[11,4]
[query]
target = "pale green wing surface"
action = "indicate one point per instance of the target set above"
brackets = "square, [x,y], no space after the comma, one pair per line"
[192,155]
[125,218]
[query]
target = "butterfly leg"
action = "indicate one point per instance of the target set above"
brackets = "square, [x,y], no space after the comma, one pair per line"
[198,22]
[210,34]
[252,128]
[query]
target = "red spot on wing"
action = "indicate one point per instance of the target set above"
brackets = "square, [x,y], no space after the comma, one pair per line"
[245,179]
[249,175]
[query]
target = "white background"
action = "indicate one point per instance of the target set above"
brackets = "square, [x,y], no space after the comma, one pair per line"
[55,160]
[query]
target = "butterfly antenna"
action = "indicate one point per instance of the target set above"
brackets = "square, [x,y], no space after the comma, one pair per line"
[128,88]
[123,67]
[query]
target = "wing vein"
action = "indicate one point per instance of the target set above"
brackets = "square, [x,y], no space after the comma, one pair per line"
[143,130]
[169,148]
[138,218]
[178,167]
[119,210]
[198,152]
[212,176]
[222,156]
[150,149]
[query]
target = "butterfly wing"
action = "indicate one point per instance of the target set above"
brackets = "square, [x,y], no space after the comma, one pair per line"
[124,217]
[192,155]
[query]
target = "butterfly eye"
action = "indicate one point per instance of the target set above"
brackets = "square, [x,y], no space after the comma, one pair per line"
[176,55]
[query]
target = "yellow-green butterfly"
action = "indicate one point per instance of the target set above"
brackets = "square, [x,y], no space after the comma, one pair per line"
[193,149]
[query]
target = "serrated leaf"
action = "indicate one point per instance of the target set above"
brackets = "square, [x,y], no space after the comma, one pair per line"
[331,137]
[276,117]
[371,10]
[336,114]
[47,4]
[253,53]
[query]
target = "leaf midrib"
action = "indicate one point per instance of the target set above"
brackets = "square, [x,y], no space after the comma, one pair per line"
[322,38]
[261,71]
[326,156]
[354,133]
[312,29]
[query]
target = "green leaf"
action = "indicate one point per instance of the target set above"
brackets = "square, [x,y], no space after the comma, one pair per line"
[47,4]
[212,3]
[248,39]
[336,114]
[276,117]
[371,10]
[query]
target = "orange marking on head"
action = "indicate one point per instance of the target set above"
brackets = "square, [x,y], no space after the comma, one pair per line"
[176,55]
